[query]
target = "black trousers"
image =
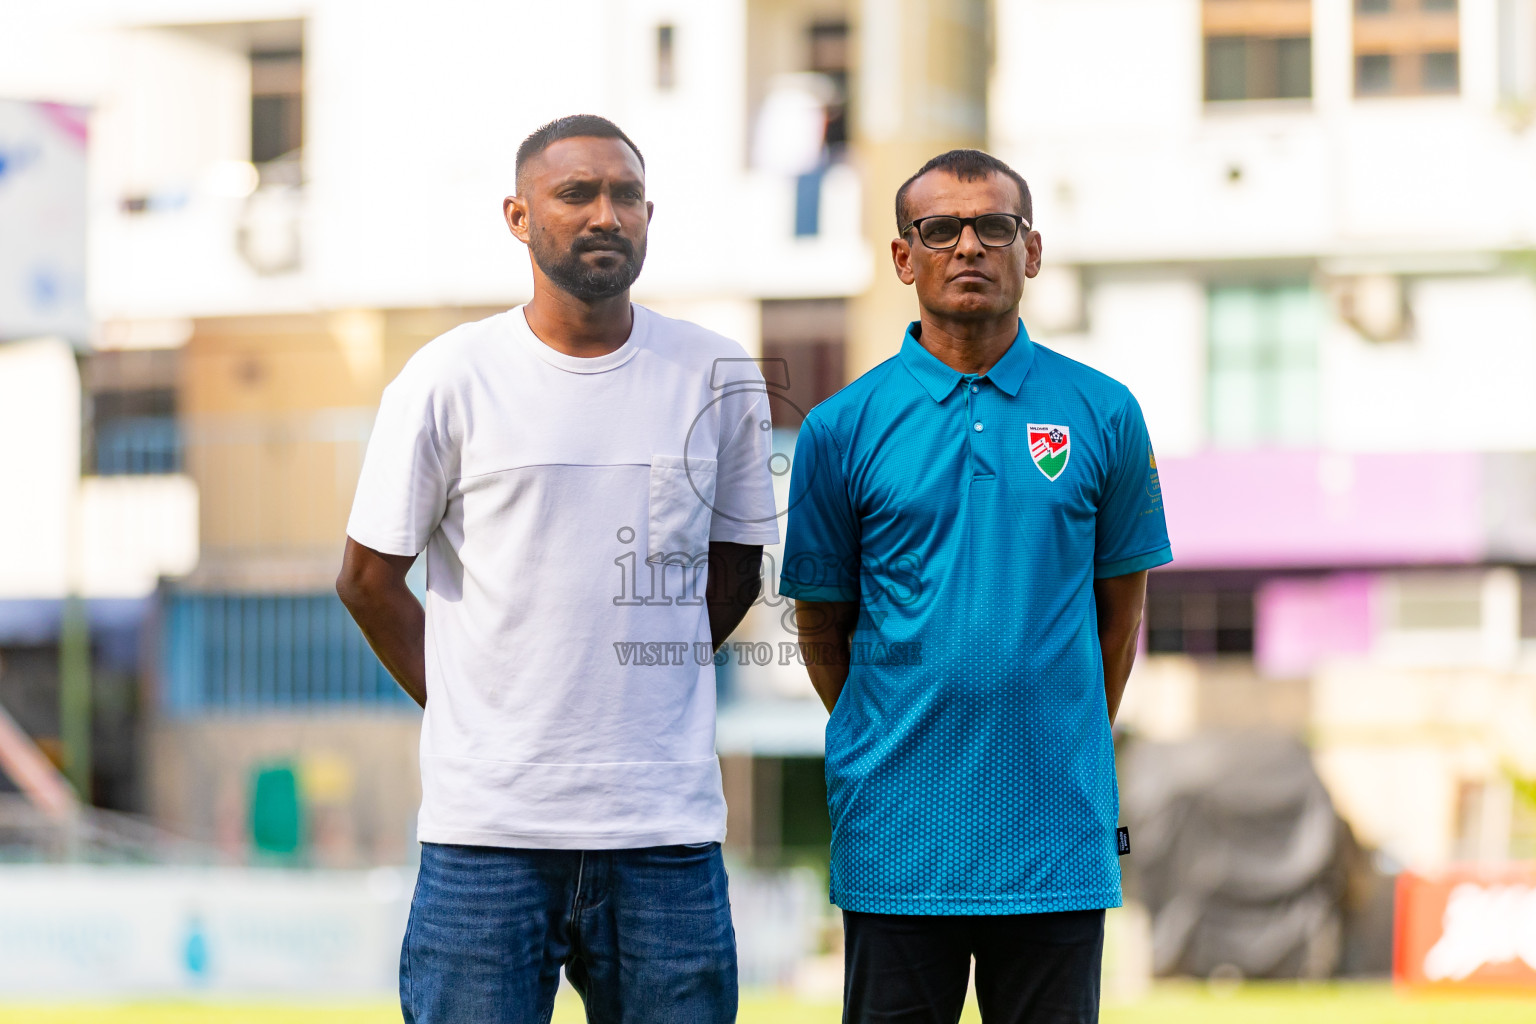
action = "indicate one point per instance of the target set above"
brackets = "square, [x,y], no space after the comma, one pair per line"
[1030,968]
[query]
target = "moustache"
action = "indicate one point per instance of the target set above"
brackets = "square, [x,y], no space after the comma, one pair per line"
[604,243]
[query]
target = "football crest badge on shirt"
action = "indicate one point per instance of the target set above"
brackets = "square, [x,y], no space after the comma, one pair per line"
[1050,445]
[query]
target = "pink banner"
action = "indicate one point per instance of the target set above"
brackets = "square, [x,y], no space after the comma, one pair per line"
[1283,509]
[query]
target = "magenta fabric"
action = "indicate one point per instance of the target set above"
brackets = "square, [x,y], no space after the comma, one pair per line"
[1295,509]
[1299,622]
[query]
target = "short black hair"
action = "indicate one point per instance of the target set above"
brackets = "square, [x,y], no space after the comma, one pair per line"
[571,126]
[967,165]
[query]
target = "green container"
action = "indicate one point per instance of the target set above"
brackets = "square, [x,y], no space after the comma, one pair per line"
[277,811]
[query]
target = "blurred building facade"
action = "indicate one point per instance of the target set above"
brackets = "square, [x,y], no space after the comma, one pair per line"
[1295,228]
[286,201]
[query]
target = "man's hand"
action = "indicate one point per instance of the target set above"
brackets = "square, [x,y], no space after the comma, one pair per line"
[735,580]
[825,628]
[372,586]
[1119,600]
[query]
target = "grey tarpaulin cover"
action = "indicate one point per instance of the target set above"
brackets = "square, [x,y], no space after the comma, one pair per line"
[1238,854]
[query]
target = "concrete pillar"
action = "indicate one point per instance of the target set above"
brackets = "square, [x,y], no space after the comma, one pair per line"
[922,74]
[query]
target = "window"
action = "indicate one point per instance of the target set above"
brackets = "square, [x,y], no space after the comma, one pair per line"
[1187,618]
[666,58]
[808,335]
[277,104]
[829,56]
[131,412]
[1257,49]
[1262,381]
[1407,47]
[1435,603]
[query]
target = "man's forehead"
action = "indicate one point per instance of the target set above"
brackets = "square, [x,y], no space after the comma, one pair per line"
[587,157]
[941,192]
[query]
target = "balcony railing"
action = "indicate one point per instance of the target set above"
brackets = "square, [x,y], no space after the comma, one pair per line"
[268,652]
[138,446]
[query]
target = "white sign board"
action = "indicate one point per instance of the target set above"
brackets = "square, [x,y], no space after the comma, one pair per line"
[42,221]
[87,930]
[105,931]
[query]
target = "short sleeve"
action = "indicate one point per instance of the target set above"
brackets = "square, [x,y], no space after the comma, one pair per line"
[1132,534]
[744,511]
[403,490]
[821,551]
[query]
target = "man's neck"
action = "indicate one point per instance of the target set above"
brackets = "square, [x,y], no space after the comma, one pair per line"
[577,328]
[969,346]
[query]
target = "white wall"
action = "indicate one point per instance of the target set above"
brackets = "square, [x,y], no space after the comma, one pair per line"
[134,530]
[39,465]
[1465,380]
[1148,332]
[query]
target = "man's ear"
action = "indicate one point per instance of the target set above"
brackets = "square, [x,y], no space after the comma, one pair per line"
[515,210]
[901,255]
[1035,247]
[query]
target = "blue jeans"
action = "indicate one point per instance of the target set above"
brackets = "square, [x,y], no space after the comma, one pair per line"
[644,936]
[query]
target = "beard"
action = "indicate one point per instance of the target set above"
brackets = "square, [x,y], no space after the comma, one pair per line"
[572,274]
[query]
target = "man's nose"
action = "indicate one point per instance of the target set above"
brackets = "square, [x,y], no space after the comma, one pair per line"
[605,217]
[969,245]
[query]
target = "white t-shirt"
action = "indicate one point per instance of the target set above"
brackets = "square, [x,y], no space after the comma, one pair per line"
[570,683]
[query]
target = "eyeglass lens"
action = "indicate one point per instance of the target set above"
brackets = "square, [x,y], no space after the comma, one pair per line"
[993,229]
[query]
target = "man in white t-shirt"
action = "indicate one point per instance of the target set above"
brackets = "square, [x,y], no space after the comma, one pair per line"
[589,483]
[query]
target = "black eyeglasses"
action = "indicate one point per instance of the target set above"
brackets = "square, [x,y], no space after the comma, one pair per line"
[993,230]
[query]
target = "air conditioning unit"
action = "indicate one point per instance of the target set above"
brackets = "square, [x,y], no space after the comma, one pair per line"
[1375,305]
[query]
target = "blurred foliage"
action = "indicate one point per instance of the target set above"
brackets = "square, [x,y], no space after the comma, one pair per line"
[1525,788]
[1521,261]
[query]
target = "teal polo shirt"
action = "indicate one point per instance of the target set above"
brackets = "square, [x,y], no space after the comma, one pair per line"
[969,764]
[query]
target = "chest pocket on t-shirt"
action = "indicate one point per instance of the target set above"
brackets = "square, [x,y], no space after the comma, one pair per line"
[682,496]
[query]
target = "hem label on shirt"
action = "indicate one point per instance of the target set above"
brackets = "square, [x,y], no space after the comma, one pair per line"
[1123,840]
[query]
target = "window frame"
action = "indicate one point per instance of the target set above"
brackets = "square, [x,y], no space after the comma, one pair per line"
[1406,34]
[1260,30]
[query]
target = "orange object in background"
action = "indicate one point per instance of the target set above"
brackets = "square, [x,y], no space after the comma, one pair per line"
[1472,927]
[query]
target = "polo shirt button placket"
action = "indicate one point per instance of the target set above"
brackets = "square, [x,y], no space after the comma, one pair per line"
[968,388]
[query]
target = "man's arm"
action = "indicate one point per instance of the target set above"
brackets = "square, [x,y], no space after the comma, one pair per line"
[825,628]
[1119,600]
[735,580]
[372,586]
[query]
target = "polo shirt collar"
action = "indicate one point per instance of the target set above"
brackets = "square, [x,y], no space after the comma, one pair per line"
[939,379]
[1008,372]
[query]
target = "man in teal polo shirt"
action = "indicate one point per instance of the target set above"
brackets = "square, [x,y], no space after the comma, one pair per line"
[970,529]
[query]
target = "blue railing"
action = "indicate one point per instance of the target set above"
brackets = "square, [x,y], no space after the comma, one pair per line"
[138,445]
[268,652]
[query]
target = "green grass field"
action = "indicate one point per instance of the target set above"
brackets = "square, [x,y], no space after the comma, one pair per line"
[1168,1004]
